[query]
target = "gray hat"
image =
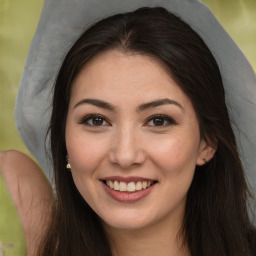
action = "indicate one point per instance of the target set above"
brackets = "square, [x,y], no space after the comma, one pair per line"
[63,21]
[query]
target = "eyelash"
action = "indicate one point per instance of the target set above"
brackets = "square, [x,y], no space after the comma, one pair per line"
[166,119]
[86,119]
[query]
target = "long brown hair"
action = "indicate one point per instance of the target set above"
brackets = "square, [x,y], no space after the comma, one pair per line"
[216,218]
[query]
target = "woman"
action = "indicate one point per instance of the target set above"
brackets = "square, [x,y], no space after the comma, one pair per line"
[139,110]
[152,163]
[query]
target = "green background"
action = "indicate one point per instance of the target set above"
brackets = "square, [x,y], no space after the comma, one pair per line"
[18,21]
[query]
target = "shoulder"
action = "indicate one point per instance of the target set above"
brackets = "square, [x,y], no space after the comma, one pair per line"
[30,192]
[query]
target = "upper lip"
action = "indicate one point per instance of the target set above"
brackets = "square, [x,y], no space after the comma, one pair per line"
[127,179]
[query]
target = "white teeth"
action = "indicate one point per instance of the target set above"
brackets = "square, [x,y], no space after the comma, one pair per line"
[139,185]
[131,187]
[128,187]
[111,184]
[116,185]
[122,186]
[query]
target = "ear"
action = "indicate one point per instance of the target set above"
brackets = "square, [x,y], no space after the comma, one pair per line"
[205,153]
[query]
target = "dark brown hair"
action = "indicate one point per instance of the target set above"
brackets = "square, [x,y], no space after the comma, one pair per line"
[216,218]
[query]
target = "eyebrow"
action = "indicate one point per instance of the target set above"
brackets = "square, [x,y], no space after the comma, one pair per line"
[157,103]
[140,108]
[97,103]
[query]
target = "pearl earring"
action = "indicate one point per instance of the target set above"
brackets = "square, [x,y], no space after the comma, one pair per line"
[68,166]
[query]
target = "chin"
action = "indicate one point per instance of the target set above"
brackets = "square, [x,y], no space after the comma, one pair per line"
[126,225]
[128,221]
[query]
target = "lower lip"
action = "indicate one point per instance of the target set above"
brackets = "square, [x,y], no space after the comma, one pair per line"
[128,196]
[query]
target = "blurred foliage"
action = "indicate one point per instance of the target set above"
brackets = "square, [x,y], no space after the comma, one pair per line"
[18,21]
[12,240]
[238,17]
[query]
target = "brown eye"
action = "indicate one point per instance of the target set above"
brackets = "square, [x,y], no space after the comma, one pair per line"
[97,121]
[94,121]
[160,121]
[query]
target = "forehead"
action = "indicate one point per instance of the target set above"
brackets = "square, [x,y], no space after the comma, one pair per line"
[123,77]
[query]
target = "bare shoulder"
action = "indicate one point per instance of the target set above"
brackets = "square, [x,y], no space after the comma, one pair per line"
[30,191]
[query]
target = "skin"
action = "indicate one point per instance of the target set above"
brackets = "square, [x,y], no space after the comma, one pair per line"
[126,143]
[31,194]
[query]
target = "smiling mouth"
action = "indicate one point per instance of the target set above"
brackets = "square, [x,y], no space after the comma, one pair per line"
[130,187]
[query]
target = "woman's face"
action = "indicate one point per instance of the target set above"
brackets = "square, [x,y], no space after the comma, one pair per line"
[133,140]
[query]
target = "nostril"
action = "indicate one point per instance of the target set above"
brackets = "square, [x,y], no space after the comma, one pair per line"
[126,157]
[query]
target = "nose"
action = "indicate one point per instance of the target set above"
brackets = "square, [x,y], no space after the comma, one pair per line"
[127,148]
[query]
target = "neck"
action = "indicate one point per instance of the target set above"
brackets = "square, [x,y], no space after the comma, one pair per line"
[163,239]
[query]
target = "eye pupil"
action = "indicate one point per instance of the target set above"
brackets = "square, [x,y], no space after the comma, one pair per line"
[158,121]
[97,121]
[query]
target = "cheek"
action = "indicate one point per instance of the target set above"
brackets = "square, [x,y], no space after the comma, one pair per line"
[84,156]
[175,161]
[175,156]
[85,150]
